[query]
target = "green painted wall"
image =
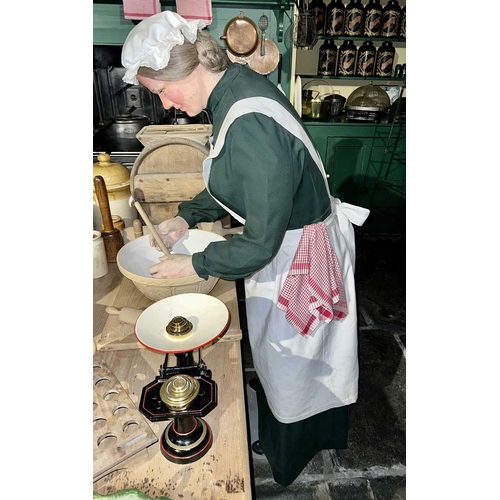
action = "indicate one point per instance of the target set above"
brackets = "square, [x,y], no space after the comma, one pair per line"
[111,28]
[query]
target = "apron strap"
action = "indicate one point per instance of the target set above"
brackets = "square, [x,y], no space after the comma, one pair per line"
[274,110]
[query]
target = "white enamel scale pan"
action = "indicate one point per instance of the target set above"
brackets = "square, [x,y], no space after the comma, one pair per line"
[208,316]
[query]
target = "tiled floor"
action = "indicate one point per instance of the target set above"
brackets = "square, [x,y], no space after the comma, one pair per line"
[373,467]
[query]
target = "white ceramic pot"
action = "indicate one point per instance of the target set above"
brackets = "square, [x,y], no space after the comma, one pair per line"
[100,258]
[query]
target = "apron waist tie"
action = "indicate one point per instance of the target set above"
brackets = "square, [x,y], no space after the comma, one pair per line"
[356,215]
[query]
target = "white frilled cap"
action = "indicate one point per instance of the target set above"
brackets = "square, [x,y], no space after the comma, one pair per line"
[150,42]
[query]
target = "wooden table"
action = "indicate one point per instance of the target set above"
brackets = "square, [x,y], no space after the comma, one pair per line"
[224,472]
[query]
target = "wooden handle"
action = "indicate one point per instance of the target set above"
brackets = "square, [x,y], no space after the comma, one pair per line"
[102,198]
[112,237]
[126,314]
[137,225]
[155,234]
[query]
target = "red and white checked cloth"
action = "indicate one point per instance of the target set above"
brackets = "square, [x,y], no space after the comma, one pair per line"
[195,9]
[140,9]
[314,289]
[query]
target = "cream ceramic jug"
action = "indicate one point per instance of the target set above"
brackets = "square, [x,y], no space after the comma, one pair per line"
[117,179]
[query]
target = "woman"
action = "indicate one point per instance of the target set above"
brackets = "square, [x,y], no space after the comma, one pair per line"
[264,171]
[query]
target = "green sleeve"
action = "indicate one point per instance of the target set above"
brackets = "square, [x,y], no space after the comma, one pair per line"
[202,208]
[257,179]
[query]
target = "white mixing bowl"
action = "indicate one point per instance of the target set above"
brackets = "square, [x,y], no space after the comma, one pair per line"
[136,257]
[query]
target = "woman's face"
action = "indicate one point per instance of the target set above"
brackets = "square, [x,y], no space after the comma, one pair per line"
[185,95]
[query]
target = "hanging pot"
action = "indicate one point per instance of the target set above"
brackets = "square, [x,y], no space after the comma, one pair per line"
[337,103]
[120,133]
[241,35]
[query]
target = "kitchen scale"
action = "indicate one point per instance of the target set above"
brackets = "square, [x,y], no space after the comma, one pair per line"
[183,392]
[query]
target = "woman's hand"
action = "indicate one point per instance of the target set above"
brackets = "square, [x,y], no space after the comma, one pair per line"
[170,231]
[173,266]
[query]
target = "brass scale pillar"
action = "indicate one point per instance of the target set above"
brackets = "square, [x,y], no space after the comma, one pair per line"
[183,393]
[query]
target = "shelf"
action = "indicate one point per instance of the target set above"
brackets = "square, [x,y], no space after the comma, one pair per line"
[363,38]
[375,79]
[380,129]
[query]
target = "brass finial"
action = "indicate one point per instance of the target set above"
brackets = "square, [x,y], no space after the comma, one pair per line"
[179,326]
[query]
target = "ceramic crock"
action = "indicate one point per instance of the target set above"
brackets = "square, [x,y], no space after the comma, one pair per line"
[117,179]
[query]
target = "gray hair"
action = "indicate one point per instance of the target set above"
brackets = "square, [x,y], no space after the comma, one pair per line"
[185,58]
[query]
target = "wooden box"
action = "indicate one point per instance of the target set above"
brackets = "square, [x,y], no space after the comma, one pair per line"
[170,168]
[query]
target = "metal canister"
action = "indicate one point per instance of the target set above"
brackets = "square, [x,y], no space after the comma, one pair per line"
[354,18]
[373,18]
[402,23]
[365,65]
[390,19]
[327,61]
[347,59]
[385,60]
[335,13]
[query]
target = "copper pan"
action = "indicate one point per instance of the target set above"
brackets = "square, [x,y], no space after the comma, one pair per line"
[265,64]
[241,35]
[260,64]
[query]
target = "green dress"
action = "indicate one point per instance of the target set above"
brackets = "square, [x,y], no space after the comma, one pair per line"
[265,175]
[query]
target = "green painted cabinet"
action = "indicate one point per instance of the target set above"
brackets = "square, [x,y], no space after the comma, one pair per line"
[366,165]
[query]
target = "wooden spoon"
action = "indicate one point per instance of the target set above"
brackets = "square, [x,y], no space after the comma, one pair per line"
[148,222]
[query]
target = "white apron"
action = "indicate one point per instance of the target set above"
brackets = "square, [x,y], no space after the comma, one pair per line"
[301,376]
